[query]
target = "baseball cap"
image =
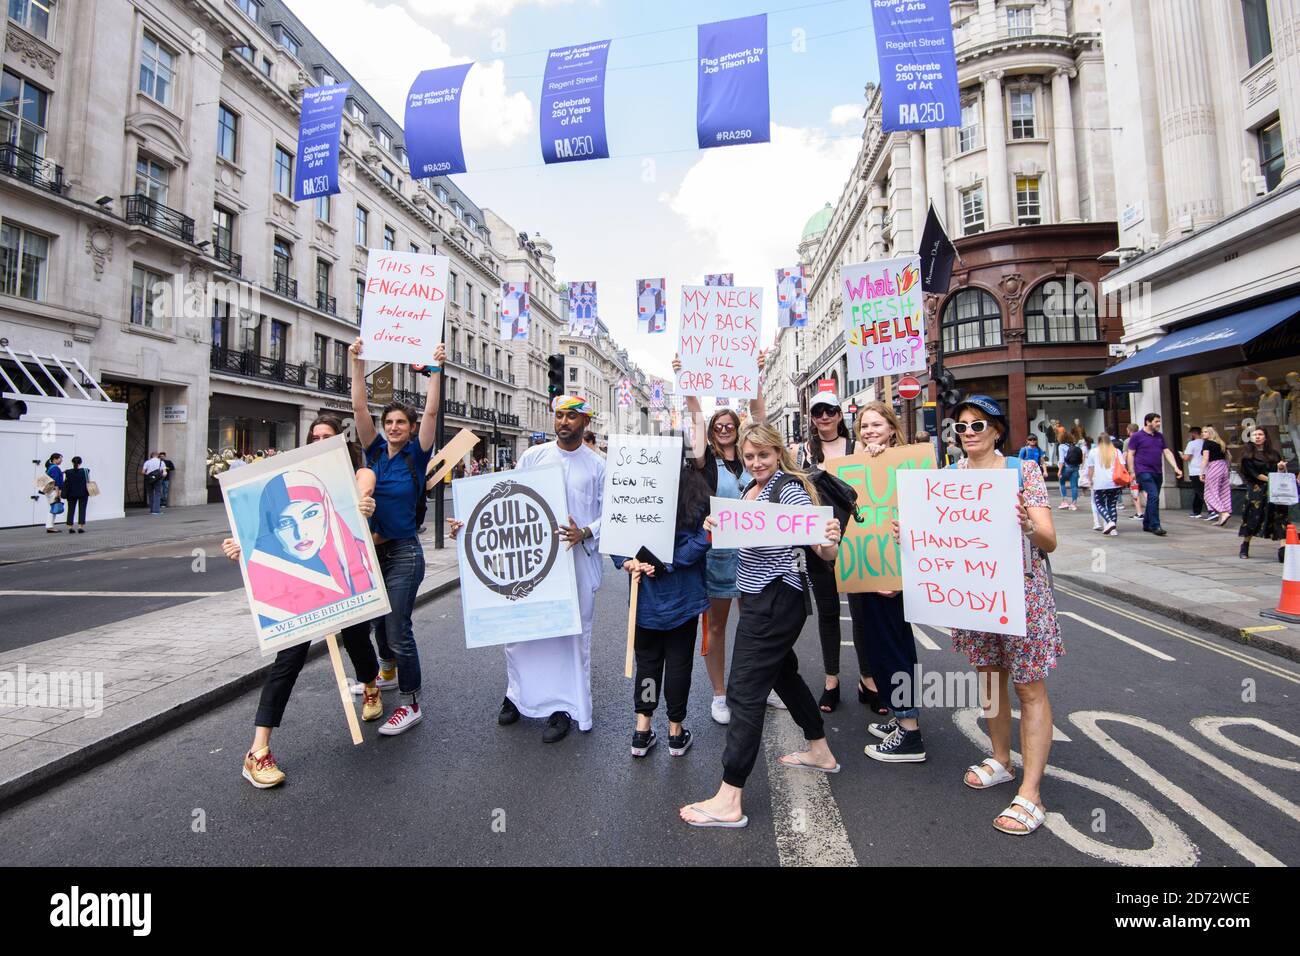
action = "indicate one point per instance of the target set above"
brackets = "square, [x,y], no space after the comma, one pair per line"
[824,398]
[986,405]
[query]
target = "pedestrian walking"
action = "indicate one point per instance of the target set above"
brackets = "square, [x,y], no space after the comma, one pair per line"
[1146,453]
[1215,472]
[1025,661]
[1192,459]
[76,493]
[1106,489]
[671,598]
[155,471]
[167,480]
[774,604]
[54,495]
[1139,499]
[1071,461]
[1261,518]
[1029,451]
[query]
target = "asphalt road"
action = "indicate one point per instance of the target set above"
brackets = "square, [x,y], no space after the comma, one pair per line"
[1132,780]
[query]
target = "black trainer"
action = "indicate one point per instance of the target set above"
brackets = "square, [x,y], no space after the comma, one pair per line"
[558,726]
[509,712]
[678,744]
[883,730]
[642,741]
[902,746]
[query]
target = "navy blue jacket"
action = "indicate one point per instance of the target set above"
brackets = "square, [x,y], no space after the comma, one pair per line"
[672,598]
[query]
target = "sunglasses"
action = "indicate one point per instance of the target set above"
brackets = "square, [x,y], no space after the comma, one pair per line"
[825,411]
[724,427]
[975,427]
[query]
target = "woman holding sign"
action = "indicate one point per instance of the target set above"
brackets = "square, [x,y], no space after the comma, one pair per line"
[774,604]
[1001,658]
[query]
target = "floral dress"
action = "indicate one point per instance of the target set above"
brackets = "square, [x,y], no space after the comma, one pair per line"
[1028,658]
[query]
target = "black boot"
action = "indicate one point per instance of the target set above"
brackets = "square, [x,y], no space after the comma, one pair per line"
[1245,549]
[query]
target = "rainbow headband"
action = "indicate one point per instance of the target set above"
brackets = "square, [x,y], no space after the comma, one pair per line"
[571,403]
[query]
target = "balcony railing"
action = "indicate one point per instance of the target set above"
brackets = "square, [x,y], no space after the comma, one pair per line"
[30,168]
[454,407]
[472,363]
[143,211]
[233,260]
[327,303]
[285,286]
[252,365]
[483,414]
[505,418]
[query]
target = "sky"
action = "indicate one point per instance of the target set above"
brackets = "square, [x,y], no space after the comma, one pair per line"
[659,207]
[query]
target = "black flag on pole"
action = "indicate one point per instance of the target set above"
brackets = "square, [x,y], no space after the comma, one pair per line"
[937,255]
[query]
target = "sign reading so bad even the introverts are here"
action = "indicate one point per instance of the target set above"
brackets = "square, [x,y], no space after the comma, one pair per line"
[402,315]
[884,328]
[754,524]
[963,563]
[639,505]
[718,341]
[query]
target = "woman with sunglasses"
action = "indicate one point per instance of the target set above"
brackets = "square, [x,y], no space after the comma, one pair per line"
[715,450]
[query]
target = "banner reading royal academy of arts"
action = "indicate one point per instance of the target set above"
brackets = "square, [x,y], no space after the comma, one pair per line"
[306,554]
[319,129]
[572,110]
[918,64]
[517,579]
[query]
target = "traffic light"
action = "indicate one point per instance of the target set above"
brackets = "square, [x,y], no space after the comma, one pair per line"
[555,375]
[12,409]
[798,427]
[949,393]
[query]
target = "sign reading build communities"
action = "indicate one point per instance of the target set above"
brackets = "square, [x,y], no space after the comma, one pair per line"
[406,297]
[639,509]
[517,578]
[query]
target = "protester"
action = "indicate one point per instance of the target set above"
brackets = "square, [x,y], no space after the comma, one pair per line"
[1030,451]
[1146,454]
[1105,491]
[1071,460]
[399,459]
[76,492]
[589,439]
[773,607]
[672,597]
[1192,458]
[1024,661]
[155,471]
[1215,465]
[54,495]
[953,451]
[716,452]
[883,639]
[1261,518]
[166,488]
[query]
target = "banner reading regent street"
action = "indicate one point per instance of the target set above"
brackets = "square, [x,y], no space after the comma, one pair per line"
[573,103]
[732,105]
[918,68]
[433,122]
[318,141]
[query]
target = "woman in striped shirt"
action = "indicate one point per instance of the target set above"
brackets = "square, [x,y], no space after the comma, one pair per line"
[774,603]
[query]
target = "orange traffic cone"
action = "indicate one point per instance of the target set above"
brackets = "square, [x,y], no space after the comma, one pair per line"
[1288,606]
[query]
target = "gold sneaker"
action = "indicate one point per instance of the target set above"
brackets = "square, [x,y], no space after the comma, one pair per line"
[372,705]
[260,769]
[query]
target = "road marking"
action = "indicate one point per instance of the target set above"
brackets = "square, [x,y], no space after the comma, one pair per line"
[809,829]
[1118,636]
[924,639]
[1263,627]
[112,594]
[1212,728]
[1190,638]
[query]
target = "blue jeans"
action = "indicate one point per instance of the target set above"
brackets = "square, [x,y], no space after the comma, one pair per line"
[1070,474]
[402,564]
[1149,482]
[166,491]
[154,490]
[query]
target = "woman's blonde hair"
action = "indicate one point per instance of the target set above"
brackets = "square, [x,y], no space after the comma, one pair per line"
[1105,452]
[885,412]
[713,442]
[1209,434]
[765,436]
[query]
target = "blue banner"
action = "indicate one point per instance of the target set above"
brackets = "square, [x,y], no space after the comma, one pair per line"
[573,103]
[433,122]
[319,130]
[918,68]
[732,104]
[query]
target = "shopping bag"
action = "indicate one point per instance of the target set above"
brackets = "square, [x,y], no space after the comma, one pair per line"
[1282,488]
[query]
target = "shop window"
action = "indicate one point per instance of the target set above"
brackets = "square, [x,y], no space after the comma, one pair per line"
[972,319]
[1235,402]
[1061,310]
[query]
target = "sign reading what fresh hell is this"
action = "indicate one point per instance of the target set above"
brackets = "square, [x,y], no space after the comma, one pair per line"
[883,317]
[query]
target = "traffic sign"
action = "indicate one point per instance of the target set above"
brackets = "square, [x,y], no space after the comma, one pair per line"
[853,408]
[908,387]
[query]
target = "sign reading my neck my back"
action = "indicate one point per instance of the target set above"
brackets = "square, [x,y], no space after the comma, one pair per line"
[718,342]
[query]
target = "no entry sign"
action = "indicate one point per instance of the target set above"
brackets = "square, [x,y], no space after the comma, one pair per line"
[908,387]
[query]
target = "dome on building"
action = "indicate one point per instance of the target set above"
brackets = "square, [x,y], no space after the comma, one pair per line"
[819,221]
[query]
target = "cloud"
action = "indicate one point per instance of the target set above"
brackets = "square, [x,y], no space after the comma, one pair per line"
[384,48]
[847,114]
[473,12]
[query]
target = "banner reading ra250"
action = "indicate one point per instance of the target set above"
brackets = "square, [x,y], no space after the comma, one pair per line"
[869,558]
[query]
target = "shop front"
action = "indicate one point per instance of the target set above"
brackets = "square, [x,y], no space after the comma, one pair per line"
[246,427]
[1064,400]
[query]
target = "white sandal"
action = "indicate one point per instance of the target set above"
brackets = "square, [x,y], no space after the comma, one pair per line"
[1030,821]
[1000,774]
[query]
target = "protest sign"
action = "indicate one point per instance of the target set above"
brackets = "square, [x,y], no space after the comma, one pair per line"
[402,315]
[718,341]
[306,554]
[963,561]
[639,503]
[883,317]
[755,524]
[868,559]
[517,579]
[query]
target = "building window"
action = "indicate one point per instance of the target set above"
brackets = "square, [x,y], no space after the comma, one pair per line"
[390,238]
[148,292]
[469,297]
[220,324]
[32,15]
[283,258]
[482,306]
[972,211]
[1259,40]
[325,77]
[441,194]
[289,41]
[451,287]
[157,70]
[322,277]
[971,320]
[1022,114]
[266,66]
[361,296]
[1020,21]
[362,232]
[251,7]
[320,352]
[968,136]
[415,249]
[223,231]
[341,358]
[573,350]
[386,174]
[1028,207]
[279,340]
[23,259]
[283,171]
[23,110]
[151,179]
[356,112]
[381,135]
[1061,310]
[323,208]
[573,375]
[250,335]
[227,132]
[1271,158]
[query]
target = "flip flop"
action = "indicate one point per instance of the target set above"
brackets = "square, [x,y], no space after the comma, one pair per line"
[800,765]
[713,821]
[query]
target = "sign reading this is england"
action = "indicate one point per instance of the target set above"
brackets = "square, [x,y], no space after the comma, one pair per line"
[718,341]
[402,315]
[883,317]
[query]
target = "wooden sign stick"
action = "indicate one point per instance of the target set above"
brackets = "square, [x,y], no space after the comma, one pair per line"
[332,641]
[704,641]
[631,627]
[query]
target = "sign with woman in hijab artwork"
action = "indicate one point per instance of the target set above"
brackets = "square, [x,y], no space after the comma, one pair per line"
[307,555]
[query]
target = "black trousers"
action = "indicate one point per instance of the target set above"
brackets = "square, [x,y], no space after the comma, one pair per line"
[663,660]
[763,660]
[1198,494]
[880,633]
[827,601]
[289,662]
[73,504]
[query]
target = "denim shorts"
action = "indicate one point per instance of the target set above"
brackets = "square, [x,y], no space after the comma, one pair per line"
[720,573]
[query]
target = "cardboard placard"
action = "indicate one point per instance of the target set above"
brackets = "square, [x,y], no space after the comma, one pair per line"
[442,463]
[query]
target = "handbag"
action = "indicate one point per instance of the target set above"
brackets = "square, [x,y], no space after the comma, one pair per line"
[44,484]
[1119,474]
[57,507]
[92,488]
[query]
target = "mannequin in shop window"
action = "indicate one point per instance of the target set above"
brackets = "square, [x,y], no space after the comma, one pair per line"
[1269,416]
[1292,408]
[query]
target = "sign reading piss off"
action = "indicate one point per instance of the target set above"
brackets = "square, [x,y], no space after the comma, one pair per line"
[755,524]
[868,559]
[402,315]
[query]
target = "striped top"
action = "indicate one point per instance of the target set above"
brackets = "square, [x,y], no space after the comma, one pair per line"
[759,567]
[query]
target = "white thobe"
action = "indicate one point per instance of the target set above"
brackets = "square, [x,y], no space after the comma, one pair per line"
[555,673]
